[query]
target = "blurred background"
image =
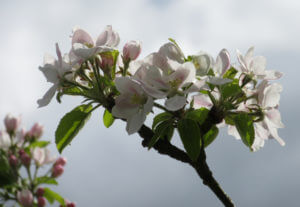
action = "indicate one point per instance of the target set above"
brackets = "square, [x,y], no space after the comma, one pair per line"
[106,167]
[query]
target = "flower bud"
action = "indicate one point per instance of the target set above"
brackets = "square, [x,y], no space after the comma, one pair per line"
[106,61]
[71,204]
[41,201]
[36,131]
[40,192]
[25,197]
[12,123]
[25,159]
[13,161]
[61,161]
[57,170]
[131,50]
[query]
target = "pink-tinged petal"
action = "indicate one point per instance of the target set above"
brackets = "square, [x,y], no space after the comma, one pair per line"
[261,131]
[202,100]
[102,38]
[82,37]
[48,96]
[272,75]
[242,61]
[108,38]
[82,51]
[154,78]
[196,86]
[127,85]
[48,157]
[171,51]
[273,131]
[222,63]
[257,144]
[135,122]
[180,76]
[123,108]
[233,132]
[203,62]
[274,116]
[39,155]
[58,53]
[159,61]
[175,103]
[192,72]
[258,65]
[272,95]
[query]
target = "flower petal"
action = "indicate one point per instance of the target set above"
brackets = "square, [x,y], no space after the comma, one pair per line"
[48,96]
[171,51]
[272,75]
[81,36]
[271,95]
[135,122]
[175,103]
[274,116]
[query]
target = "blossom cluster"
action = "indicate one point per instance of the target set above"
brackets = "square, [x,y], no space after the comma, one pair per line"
[241,92]
[21,150]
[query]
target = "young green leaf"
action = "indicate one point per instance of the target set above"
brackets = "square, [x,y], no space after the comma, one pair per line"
[108,119]
[46,180]
[52,196]
[39,144]
[244,125]
[163,129]
[210,136]
[190,136]
[198,115]
[230,89]
[161,118]
[70,125]
[230,74]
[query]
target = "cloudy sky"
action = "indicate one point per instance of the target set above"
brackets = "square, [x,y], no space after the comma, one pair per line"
[108,168]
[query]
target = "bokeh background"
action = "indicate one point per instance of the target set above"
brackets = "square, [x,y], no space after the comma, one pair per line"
[109,168]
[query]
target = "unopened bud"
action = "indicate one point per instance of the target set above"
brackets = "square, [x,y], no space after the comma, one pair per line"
[12,123]
[107,61]
[25,159]
[25,198]
[131,50]
[13,161]
[40,192]
[71,204]
[36,131]
[41,201]
[61,161]
[57,170]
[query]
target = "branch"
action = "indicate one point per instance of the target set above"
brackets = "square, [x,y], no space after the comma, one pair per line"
[166,148]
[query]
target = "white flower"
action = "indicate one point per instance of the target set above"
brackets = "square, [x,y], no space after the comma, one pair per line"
[133,104]
[255,66]
[5,140]
[42,156]
[54,71]
[131,50]
[203,62]
[84,47]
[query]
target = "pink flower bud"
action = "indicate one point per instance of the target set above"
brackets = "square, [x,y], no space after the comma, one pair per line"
[71,204]
[40,192]
[131,50]
[25,159]
[12,123]
[57,170]
[13,161]
[21,151]
[41,201]
[25,198]
[107,61]
[61,161]
[36,131]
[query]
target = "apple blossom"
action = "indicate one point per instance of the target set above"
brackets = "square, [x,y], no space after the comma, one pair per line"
[131,50]
[25,197]
[42,156]
[255,66]
[5,140]
[133,104]
[12,123]
[61,161]
[13,161]
[203,62]
[36,130]
[57,171]
[40,192]
[41,202]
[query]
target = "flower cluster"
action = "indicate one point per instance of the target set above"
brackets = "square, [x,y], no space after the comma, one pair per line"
[21,150]
[212,92]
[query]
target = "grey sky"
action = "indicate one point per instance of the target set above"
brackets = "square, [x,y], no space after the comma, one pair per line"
[108,168]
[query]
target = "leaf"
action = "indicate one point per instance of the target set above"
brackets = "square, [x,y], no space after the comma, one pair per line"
[70,125]
[7,176]
[161,118]
[108,119]
[230,74]
[190,135]
[230,90]
[39,144]
[163,129]
[210,136]
[244,125]
[198,115]
[73,91]
[46,180]
[52,196]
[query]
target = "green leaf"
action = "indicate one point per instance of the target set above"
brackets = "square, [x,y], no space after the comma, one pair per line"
[163,129]
[190,135]
[52,196]
[230,74]
[73,91]
[39,144]
[230,90]
[70,125]
[46,180]
[7,176]
[210,136]
[244,125]
[161,118]
[108,119]
[198,115]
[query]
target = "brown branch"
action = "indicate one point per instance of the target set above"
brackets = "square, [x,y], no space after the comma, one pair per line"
[164,147]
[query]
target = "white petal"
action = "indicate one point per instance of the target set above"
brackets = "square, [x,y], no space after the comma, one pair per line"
[203,62]
[127,85]
[202,100]
[274,116]
[273,131]
[249,54]
[175,103]
[242,61]
[258,65]
[222,63]
[272,75]
[83,51]
[49,59]
[218,80]
[148,105]
[81,36]
[135,122]
[233,132]
[271,95]
[50,72]
[48,96]
[5,140]
[171,51]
